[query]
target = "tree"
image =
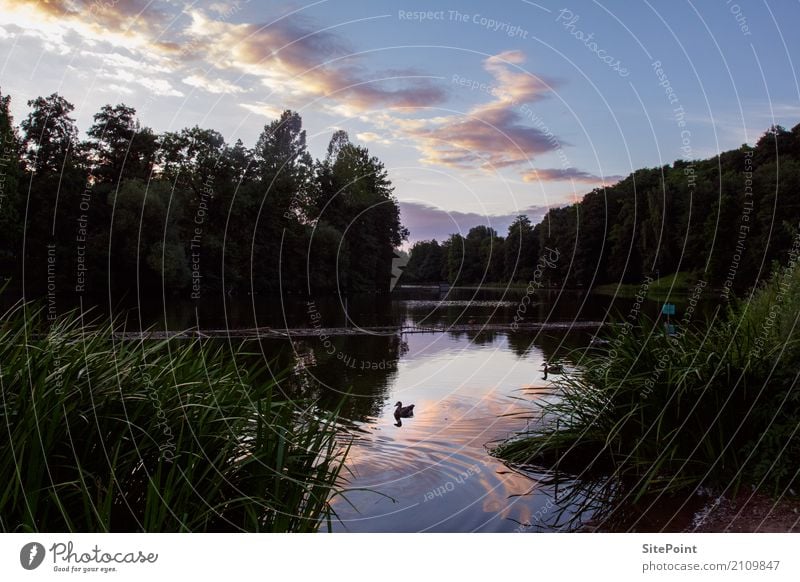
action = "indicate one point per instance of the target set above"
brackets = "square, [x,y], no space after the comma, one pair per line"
[483,256]
[775,142]
[593,219]
[145,236]
[284,165]
[424,263]
[119,146]
[453,251]
[55,176]
[194,158]
[10,200]
[134,208]
[521,250]
[339,141]
[373,228]
[354,196]
[49,134]
[239,161]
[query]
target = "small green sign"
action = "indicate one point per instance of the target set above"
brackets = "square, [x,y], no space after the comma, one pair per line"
[668,309]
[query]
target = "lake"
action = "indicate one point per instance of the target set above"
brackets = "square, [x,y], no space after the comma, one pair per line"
[432,472]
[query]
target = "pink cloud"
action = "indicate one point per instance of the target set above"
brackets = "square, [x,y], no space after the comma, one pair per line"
[567,174]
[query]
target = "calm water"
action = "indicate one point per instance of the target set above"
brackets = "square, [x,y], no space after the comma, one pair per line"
[434,472]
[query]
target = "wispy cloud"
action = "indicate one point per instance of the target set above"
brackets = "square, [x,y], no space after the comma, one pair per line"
[493,135]
[567,174]
[264,109]
[132,24]
[372,137]
[290,57]
[291,62]
[215,86]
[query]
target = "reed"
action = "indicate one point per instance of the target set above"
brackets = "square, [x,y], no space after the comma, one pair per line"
[717,405]
[153,436]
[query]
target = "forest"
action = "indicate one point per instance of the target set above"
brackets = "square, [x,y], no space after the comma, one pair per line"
[726,219]
[185,212]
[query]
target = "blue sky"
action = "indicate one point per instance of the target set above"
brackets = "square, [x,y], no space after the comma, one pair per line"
[480,110]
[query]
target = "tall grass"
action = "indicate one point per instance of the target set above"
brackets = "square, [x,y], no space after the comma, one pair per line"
[716,405]
[157,436]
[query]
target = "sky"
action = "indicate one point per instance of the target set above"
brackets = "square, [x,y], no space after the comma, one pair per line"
[479,110]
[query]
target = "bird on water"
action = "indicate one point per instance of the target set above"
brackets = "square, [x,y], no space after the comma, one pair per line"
[403,411]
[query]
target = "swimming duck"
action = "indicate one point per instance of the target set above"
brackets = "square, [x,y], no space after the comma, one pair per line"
[403,411]
[552,369]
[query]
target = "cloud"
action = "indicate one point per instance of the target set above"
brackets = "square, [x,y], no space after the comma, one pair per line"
[567,174]
[427,222]
[124,37]
[264,109]
[121,89]
[289,57]
[215,86]
[129,43]
[493,135]
[155,85]
[372,137]
[515,87]
[133,24]
[160,87]
[293,59]
[113,60]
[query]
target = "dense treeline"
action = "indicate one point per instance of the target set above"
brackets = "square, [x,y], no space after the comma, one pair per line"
[726,219]
[185,211]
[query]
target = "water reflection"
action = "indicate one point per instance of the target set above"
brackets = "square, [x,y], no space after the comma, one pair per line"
[363,370]
[432,472]
[419,306]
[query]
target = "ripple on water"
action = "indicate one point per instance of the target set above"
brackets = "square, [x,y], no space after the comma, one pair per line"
[434,473]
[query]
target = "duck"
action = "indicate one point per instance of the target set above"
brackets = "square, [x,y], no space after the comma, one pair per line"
[553,368]
[403,411]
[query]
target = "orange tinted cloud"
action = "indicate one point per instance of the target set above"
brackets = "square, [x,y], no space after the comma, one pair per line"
[292,58]
[567,174]
[492,135]
[288,56]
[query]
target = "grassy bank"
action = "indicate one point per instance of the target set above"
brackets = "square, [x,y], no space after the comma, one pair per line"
[716,405]
[674,284]
[151,436]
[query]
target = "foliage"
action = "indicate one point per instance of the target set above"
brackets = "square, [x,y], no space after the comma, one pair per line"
[10,206]
[729,217]
[49,134]
[716,405]
[183,211]
[154,436]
